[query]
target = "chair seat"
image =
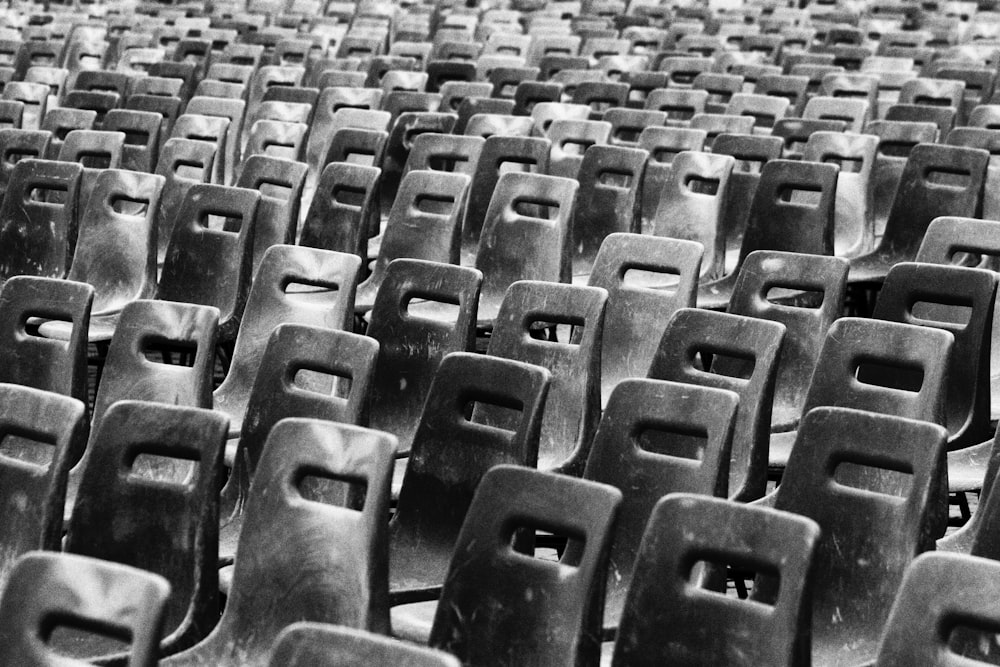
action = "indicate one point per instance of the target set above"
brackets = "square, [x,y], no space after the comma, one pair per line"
[781,448]
[967,467]
[413,622]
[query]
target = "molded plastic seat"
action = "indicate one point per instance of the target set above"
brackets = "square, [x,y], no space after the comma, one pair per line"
[182,164]
[81,592]
[526,236]
[570,139]
[33,95]
[859,565]
[667,620]
[337,389]
[318,644]
[336,532]
[280,183]
[764,110]
[451,454]
[96,151]
[292,285]
[207,265]
[115,251]
[718,124]
[142,137]
[60,122]
[644,448]
[17,145]
[344,209]
[358,146]
[233,110]
[489,619]
[663,145]
[795,132]
[43,434]
[166,514]
[412,346]
[38,219]
[938,180]
[896,142]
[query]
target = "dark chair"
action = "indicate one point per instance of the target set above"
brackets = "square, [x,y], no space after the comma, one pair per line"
[570,139]
[69,591]
[280,184]
[344,209]
[209,265]
[142,137]
[233,110]
[849,464]
[411,346]
[657,438]
[315,538]
[896,142]
[182,164]
[663,144]
[795,132]
[668,620]
[157,469]
[60,122]
[17,145]
[96,151]
[507,398]
[320,644]
[43,433]
[38,219]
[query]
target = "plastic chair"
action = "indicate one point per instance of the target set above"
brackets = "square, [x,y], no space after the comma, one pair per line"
[666,619]
[60,122]
[43,433]
[38,218]
[321,492]
[212,129]
[96,151]
[843,451]
[854,113]
[795,132]
[525,236]
[896,143]
[292,285]
[487,620]
[508,397]
[344,210]
[86,593]
[231,109]
[644,447]
[142,137]
[715,125]
[337,388]
[34,96]
[411,345]
[16,145]
[280,183]
[209,265]
[157,469]
[987,140]
[938,180]
[182,164]
[318,644]
[663,145]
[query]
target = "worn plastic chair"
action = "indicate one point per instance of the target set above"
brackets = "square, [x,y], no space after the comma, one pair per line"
[526,236]
[38,218]
[292,285]
[115,251]
[317,644]
[412,346]
[182,164]
[157,469]
[792,211]
[663,145]
[34,96]
[82,593]
[344,209]
[17,145]
[570,139]
[234,111]
[667,619]
[96,151]
[938,180]
[196,244]
[853,463]
[337,388]
[941,595]
[142,137]
[718,124]
[488,619]
[896,143]
[60,122]
[508,398]
[656,438]
[43,434]
[321,493]
[280,183]
[795,132]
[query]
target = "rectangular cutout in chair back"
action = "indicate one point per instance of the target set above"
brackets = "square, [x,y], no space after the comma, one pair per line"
[932,101]
[847,93]
[544,543]
[952,178]
[848,165]
[880,373]
[728,363]
[748,165]
[275,146]
[612,178]
[446,162]
[359,156]
[516,166]
[13,156]
[702,186]
[576,146]
[123,205]
[189,170]
[160,350]
[321,382]
[50,193]
[664,281]
[956,314]
[62,131]
[73,636]
[152,463]
[665,154]
[434,204]
[976,639]
[345,195]
[882,477]
[136,137]
[94,159]
[274,190]
[322,486]
[536,207]
[627,135]
[681,442]
[803,194]
[794,297]
[760,119]
[677,111]
[897,149]
[27,447]
[750,580]
[487,411]
[313,293]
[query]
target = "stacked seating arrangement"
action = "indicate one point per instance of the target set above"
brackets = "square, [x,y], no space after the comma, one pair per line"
[517,332]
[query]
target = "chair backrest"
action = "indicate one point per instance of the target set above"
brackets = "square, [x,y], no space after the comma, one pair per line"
[795,132]
[157,469]
[897,140]
[233,110]
[344,210]
[411,346]
[59,366]
[81,592]
[669,620]
[635,314]
[205,264]
[663,144]
[655,438]
[116,246]
[321,495]
[854,113]
[526,234]
[559,623]
[975,137]
[182,164]
[942,595]
[445,152]
[744,359]
[38,218]
[570,139]
[959,300]
[280,184]
[692,204]
[848,464]
[17,144]
[60,122]
[142,137]
[43,434]
[324,645]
